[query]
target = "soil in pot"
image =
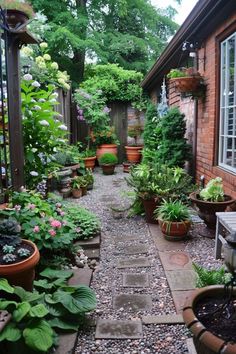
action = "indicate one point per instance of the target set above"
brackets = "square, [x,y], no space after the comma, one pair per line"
[221,323]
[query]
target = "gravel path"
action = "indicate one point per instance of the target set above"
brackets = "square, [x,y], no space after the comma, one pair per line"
[107,279]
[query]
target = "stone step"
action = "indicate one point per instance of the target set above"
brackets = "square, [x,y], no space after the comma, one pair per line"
[118,329]
[89,243]
[135,263]
[81,276]
[181,279]
[135,280]
[175,260]
[163,319]
[124,238]
[92,253]
[132,302]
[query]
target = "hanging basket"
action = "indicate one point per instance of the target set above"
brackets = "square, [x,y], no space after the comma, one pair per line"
[187,84]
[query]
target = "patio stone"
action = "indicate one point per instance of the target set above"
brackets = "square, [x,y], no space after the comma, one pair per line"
[114,329]
[161,243]
[136,249]
[92,253]
[89,243]
[134,302]
[81,276]
[67,343]
[123,238]
[179,298]
[181,279]
[136,280]
[163,319]
[175,260]
[135,263]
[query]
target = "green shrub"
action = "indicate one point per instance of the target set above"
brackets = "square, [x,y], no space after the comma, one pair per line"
[174,211]
[108,159]
[207,277]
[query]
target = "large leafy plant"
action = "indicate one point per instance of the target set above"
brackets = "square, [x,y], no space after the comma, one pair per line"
[172,211]
[213,192]
[43,134]
[38,316]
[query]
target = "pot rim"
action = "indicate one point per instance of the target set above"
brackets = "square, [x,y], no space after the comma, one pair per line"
[106,145]
[90,158]
[193,197]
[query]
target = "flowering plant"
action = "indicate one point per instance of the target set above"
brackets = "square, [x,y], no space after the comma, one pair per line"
[44,69]
[105,136]
[18,5]
[43,134]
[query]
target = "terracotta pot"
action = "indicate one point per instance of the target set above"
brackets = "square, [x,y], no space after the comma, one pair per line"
[16,17]
[22,273]
[108,169]
[174,231]
[187,84]
[133,153]
[149,207]
[77,193]
[207,210]
[102,149]
[84,190]
[89,187]
[205,342]
[89,162]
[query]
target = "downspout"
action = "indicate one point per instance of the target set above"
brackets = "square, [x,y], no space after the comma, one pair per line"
[195,125]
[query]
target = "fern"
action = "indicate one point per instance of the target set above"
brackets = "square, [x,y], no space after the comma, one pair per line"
[210,277]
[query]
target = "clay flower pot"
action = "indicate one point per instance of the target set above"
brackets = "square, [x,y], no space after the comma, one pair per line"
[104,148]
[187,84]
[207,210]
[22,273]
[77,193]
[149,207]
[89,162]
[108,169]
[84,190]
[133,153]
[205,341]
[174,231]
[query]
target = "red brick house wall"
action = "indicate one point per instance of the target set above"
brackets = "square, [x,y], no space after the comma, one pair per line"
[208,109]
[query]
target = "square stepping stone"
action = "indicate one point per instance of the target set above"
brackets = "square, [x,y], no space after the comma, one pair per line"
[92,253]
[132,302]
[175,260]
[163,319]
[89,243]
[135,280]
[161,243]
[136,249]
[181,279]
[118,329]
[123,238]
[81,276]
[179,298]
[133,263]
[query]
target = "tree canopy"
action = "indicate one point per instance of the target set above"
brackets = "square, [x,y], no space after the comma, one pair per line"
[129,33]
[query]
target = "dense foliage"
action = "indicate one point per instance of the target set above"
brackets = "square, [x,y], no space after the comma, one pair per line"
[206,277]
[129,33]
[151,134]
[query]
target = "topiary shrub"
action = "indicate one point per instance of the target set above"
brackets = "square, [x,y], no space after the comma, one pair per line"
[108,159]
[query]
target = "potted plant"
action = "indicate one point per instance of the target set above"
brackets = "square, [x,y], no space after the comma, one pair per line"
[89,157]
[186,80]
[106,141]
[17,12]
[89,178]
[108,162]
[133,150]
[210,200]
[174,219]
[76,187]
[18,257]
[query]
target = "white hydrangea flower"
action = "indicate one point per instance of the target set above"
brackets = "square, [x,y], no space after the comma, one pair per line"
[39,59]
[66,86]
[34,173]
[54,95]
[27,51]
[61,81]
[43,45]
[62,127]
[47,57]
[44,123]
[36,84]
[37,108]
[54,66]
[53,100]
[27,77]
[42,65]
[42,100]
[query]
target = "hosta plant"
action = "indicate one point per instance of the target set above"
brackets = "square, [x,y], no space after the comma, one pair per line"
[213,192]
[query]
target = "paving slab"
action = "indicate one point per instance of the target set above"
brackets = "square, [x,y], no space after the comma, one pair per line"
[117,329]
[161,243]
[89,243]
[191,346]
[162,319]
[179,298]
[181,279]
[133,263]
[123,238]
[66,343]
[81,276]
[135,280]
[134,302]
[92,253]
[175,260]
[136,249]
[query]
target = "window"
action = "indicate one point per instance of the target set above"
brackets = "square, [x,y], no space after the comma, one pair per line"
[227,143]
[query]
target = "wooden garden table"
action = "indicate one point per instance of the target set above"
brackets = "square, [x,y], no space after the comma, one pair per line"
[225,224]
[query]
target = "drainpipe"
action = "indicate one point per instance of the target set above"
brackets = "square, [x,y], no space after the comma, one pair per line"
[195,125]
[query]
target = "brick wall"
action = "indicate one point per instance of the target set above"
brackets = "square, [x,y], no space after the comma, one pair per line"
[208,116]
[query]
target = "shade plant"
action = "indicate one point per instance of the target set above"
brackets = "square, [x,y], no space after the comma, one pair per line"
[43,133]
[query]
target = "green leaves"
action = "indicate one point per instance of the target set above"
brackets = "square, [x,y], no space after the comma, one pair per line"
[5,286]
[21,311]
[10,333]
[38,311]
[39,335]
[55,274]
